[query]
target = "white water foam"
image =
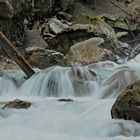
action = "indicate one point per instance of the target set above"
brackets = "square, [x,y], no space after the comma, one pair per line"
[86,118]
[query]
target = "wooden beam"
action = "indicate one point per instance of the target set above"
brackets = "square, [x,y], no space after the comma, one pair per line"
[15,55]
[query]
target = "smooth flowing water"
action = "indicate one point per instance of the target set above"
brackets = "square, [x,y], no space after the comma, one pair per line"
[93,90]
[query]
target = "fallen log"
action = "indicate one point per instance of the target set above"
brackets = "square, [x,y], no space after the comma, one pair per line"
[11,51]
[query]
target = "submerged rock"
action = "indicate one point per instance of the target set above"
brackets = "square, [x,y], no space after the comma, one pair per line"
[118,82]
[65,100]
[127,105]
[17,104]
[84,81]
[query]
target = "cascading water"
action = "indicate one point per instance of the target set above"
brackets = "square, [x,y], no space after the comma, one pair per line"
[62,82]
[93,90]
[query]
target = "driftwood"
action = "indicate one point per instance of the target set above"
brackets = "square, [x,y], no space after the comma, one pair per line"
[11,51]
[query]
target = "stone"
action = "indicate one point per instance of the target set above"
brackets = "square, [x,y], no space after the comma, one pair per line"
[93,27]
[64,40]
[65,100]
[86,52]
[127,105]
[57,26]
[34,39]
[81,78]
[43,58]
[121,34]
[118,82]
[17,104]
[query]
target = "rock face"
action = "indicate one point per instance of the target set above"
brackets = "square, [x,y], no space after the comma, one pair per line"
[17,104]
[127,105]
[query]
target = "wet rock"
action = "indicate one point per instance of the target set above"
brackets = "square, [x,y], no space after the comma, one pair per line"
[65,100]
[83,80]
[43,58]
[127,105]
[88,52]
[17,104]
[118,82]
[102,65]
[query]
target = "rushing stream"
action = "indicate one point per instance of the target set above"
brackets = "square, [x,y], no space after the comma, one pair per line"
[93,90]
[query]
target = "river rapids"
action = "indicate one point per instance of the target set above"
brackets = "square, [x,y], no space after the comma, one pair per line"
[93,90]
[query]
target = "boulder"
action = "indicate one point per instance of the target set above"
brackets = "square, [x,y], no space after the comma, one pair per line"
[17,104]
[127,105]
[43,58]
[87,52]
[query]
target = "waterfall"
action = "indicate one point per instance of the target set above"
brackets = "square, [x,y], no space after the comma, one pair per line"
[93,90]
[62,82]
